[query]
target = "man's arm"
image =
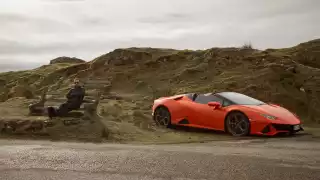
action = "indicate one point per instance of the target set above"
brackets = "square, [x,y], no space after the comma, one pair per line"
[79,92]
[68,96]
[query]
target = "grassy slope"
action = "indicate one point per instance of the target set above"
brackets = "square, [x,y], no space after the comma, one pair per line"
[290,77]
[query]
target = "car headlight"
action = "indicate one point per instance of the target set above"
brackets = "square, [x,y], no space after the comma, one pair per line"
[269,116]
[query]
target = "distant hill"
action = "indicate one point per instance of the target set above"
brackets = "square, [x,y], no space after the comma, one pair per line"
[288,76]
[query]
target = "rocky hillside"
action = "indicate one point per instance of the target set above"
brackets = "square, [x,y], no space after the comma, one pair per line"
[135,76]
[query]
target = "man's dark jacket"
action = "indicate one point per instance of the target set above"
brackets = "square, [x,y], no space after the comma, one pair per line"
[75,96]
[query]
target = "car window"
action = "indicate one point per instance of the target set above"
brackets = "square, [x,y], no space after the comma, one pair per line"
[242,99]
[191,96]
[205,98]
[226,103]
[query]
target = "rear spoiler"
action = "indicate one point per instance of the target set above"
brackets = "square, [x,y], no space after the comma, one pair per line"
[175,97]
[178,98]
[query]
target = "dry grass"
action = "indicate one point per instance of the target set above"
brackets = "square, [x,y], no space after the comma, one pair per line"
[272,76]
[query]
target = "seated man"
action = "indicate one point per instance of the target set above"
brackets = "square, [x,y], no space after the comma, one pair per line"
[75,98]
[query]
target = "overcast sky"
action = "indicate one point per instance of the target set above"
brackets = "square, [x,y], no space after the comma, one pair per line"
[34,31]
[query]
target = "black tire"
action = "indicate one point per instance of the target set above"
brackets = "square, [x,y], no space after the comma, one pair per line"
[162,117]
[237,124]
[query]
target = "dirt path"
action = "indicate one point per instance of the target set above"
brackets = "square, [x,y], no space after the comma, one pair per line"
[283,158]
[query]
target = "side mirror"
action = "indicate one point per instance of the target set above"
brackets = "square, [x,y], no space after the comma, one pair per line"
[215,105]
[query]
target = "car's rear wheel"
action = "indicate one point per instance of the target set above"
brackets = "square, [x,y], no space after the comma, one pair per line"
[238,124]
[162,116]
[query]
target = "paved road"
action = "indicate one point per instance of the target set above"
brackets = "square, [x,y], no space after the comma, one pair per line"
[224,160]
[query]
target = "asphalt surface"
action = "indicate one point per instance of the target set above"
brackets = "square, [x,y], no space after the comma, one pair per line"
[263,159]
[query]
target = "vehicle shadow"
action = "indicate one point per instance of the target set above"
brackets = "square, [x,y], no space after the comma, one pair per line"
[207,132]
[223,134]
[197,130]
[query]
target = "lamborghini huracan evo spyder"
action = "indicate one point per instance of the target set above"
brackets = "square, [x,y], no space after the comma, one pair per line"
[231,112]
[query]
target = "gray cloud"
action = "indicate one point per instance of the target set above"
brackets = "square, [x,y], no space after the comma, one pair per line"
[9,17]
[12,48]
[65,0]
[16,64]
[168,18]
[12,21]
[39,30]
[93,22]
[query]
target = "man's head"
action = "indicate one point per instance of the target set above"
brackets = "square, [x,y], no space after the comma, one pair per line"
[76,82]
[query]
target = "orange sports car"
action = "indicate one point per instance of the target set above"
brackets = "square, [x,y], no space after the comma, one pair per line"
[231,112]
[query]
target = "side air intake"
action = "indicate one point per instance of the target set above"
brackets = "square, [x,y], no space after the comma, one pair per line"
[184,121]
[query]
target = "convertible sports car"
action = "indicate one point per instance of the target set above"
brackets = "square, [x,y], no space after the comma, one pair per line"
[231,112]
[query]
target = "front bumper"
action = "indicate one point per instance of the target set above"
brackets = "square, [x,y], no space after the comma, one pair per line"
[274,129]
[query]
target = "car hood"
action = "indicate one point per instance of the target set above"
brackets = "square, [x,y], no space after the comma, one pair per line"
[282,114]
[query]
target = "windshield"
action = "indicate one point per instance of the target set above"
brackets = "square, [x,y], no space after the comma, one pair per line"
[241,98]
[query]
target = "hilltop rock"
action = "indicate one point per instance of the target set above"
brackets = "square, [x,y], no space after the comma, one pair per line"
[65,59]
[121,57]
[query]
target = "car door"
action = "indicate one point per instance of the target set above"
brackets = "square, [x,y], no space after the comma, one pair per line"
[210,117]
[194,115]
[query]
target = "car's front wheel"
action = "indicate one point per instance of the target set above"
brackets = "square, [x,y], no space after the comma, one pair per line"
[237,124]
[162,116]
